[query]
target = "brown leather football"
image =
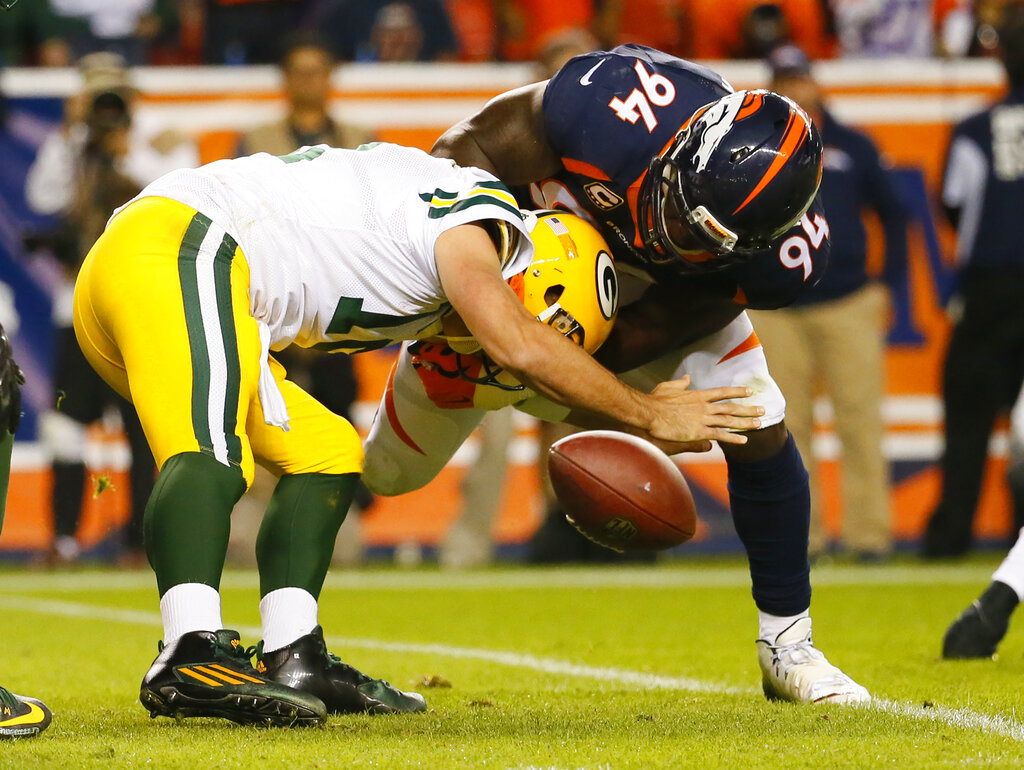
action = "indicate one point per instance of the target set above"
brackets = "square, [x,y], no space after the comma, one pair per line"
[621,491]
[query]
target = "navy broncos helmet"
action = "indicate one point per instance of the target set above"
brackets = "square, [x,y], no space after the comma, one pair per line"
[739,174]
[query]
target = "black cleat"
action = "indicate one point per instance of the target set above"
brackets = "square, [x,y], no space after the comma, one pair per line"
[22,717]
[980,628]
[208,674]
[307,666]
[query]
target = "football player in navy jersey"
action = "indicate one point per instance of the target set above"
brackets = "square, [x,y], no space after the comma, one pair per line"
[707,197]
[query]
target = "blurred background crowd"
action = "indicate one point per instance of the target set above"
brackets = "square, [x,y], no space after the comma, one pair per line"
[55,33]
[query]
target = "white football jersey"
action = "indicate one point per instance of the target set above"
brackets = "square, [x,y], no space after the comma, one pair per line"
[340,243]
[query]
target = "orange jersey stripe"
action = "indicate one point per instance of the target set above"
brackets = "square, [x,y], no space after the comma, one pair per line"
[583,168]
[792,138]
[749,343]
[223,677]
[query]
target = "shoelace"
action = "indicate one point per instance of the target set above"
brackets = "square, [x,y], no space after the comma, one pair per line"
[247,653]
[358,675]
[788,659]
[238,653]
[797,654]
[7,701]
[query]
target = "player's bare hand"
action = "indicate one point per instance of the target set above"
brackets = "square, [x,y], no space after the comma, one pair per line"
[683,415]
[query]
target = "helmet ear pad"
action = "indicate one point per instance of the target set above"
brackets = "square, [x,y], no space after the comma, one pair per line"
[750,160]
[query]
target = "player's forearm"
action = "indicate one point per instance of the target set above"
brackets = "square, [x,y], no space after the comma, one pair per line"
[557,369]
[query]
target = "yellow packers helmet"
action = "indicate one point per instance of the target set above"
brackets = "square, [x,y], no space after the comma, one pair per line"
[571,285]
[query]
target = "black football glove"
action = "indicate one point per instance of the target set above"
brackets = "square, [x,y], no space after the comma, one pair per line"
[11,379]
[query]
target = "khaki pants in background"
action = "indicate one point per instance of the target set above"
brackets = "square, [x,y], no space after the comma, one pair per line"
[837,347]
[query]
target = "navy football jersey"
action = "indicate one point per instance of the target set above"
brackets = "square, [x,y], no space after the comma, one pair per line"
[608,114]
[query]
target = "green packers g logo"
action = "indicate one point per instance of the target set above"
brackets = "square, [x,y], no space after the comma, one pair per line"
[607,285]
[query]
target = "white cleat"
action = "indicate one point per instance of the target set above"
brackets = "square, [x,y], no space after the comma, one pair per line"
[794,669]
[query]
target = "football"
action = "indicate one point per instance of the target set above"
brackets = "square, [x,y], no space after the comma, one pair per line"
[622,491]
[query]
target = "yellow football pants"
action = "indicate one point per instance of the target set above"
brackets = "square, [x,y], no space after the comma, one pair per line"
[162,313]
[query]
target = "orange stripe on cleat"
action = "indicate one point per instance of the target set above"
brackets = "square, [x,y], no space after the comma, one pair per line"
[792,138]
[238,674]
[200,677]
[583,168]
[223,677]
[392,413]
[749,343]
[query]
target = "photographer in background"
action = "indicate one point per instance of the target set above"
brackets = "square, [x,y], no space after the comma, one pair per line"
[94,162]
[101,186]
[150,153]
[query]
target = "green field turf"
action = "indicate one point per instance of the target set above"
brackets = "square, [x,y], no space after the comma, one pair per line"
[573,668]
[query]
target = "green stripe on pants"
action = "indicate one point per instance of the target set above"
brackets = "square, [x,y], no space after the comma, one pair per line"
[6,450]
[222,284]
[187,256]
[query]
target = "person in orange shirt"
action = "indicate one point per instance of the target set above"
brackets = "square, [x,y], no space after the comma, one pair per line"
[661,24]
[529,25]
[718,28]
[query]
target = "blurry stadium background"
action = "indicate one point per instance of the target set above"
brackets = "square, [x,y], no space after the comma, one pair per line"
[906,105]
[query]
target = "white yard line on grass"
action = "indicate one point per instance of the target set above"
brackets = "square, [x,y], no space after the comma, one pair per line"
[657,577]
[959,718]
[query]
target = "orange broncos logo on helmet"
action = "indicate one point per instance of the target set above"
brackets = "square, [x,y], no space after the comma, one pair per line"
[797,130]
[721,115]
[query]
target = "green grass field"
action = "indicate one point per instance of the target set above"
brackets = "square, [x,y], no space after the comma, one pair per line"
[572,668]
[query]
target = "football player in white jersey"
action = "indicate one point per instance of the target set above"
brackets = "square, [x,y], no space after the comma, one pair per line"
[438,392]
[179,305]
